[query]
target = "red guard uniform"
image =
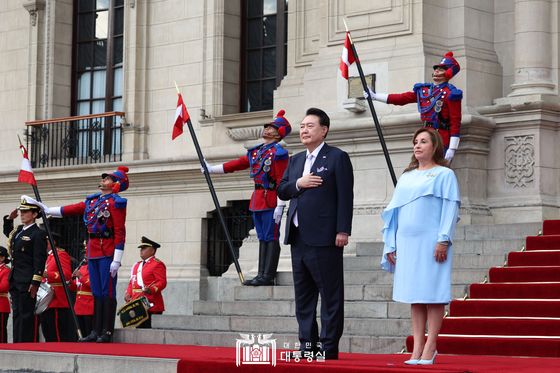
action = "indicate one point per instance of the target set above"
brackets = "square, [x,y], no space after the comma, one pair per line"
[152,275]
[267,163]
[84,300]
[84,297]
[55,320]
[4,301]
[439,107]
[104,217]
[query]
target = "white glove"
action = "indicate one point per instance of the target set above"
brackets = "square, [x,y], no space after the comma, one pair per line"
[449,154]
[453,146]
[114,269]
[381,97]
[216,169]
[278,212]
[116,263]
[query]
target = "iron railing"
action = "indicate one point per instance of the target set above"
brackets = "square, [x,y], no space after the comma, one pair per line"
[95,138]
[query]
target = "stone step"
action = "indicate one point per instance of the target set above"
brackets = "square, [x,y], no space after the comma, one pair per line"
[374,277]
[36,361]
[279,324]
[483,247]
[460,260]
[351,292]
[286,308]
[348,343]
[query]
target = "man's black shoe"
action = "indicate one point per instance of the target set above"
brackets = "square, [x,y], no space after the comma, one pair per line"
[91,337]
[106,337]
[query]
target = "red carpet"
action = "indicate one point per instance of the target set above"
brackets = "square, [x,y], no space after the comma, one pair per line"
[200,359]
[517,313]
[516,290]
[551,227]
[534,258]
[510,326]
[525,274]
[551,242]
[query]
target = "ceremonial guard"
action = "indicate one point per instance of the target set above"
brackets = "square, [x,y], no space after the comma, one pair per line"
[104,215]
[148,278]
[439,103]
[4,288]
[84,298]
[267,163]
[56,319]
[28,246]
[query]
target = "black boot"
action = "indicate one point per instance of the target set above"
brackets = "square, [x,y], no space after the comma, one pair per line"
[262,259]
[109,309]
[270,265]
[97,321]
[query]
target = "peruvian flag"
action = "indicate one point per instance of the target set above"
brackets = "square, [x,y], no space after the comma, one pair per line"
[181,117]
[26,172]
[347,57]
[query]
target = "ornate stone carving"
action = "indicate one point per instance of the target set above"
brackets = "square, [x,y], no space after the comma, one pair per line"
[33,7]
[519,160]
[245,133]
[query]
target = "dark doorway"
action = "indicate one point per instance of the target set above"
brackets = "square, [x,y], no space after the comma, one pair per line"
[73,234]
[239,222]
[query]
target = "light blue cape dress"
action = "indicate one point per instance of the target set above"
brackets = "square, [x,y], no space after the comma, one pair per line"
[423,211]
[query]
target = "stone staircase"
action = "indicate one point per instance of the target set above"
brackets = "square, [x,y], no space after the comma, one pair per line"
[373,323]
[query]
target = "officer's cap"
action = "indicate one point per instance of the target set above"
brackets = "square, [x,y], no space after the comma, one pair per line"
[26,206]
[146,242]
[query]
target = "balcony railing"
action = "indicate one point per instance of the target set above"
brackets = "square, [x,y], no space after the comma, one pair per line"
[86,139]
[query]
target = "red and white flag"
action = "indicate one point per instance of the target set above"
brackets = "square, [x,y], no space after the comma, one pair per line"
[26,172]
[347,57]
[181,117]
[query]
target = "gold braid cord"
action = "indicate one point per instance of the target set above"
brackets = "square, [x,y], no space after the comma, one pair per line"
[10,236]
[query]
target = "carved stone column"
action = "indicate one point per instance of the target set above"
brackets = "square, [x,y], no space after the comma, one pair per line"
[533,48]
[36,9]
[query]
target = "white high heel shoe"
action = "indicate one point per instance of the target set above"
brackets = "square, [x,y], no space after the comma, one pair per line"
[412,362]
[427,362]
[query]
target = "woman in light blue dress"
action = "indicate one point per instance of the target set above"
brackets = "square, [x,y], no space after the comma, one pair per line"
[419,223]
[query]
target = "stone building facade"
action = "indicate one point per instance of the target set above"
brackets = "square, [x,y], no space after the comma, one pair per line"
[508,161]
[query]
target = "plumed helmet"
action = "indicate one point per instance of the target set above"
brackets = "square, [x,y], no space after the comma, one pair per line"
[120,178]
[281,124]
[450,64]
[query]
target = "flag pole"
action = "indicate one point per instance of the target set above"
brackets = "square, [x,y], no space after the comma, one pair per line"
[56,258]
[214,196]
[372,108]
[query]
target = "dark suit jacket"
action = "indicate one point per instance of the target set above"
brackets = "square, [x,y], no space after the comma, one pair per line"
[29,254]
[323,211]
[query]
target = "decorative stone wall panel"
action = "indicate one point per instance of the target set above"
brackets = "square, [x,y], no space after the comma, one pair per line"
[519,160]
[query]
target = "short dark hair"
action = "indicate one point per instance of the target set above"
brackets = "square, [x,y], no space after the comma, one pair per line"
[324,119]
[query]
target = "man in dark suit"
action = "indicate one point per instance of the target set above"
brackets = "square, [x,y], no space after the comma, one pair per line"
[319,184]
[28,245]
